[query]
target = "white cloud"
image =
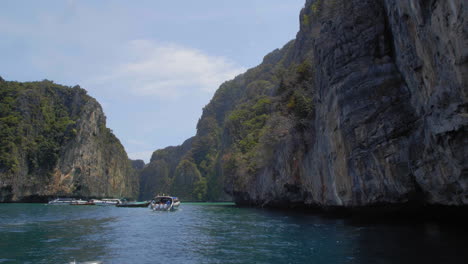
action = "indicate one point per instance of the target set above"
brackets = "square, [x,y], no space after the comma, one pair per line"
[170,71]
[142,155]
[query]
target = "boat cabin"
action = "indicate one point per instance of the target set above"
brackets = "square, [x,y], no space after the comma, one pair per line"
[165,203]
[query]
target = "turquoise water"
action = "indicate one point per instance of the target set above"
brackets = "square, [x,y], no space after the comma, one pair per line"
[214,233]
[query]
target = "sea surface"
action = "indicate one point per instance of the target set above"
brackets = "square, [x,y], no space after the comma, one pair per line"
[216,233]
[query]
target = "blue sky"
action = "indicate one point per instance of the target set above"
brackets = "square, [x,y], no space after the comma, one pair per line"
[153,65]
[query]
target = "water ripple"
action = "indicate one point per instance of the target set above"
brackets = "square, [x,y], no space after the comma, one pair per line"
[209,233]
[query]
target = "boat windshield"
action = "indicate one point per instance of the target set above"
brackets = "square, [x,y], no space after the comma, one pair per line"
[163,200]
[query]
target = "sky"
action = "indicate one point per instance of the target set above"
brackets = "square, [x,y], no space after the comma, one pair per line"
[152,64]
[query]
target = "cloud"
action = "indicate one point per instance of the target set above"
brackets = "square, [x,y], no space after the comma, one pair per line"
[142,155]
[169,71]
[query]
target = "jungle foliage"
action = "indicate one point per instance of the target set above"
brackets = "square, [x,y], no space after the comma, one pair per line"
[36,120]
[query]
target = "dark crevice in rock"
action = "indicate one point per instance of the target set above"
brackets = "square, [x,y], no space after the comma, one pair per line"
[6,193]
[389,45]
[417,197]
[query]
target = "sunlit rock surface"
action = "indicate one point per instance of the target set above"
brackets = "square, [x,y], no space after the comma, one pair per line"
[83,158]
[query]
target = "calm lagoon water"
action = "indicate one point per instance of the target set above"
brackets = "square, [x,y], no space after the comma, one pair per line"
[215,233]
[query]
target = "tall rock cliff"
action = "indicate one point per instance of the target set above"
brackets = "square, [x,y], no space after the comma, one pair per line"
[368,105]
[54,142]
[390,107]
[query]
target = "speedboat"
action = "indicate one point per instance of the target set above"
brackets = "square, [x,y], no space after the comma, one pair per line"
[165,203]
[106,202]
[62,201]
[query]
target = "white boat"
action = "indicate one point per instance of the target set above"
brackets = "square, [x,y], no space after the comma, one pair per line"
[165,203]
[81,202]
[62,201]
[106,202]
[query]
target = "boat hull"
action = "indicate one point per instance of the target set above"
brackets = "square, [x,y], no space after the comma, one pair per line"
[88,203]
[172,207]
[144,204]
[175,206]
[106,204]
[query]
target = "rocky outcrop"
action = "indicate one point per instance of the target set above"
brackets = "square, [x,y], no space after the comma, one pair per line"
[155,178]
[390,122]
[138,164]
[367,106]
[81,157]
[430,41]
[163,175]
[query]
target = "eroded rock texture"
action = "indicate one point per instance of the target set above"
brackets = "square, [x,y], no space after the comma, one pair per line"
[60,146]
[367,106]
[390,122]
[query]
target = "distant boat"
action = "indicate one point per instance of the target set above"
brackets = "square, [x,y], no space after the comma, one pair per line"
[165,203]
[62,201]
[86,262]
[133,204]
[106,202]
[81,202]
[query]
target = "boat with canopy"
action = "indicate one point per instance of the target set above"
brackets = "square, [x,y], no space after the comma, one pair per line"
[165,203]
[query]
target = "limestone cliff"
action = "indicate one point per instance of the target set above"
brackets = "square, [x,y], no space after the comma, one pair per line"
[55,143]
[368,105]
[390,99]
[159,176]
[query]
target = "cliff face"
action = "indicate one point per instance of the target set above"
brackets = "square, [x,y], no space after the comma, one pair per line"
[390,100]
[431,54]
[138,164]
[56,144]
[169,173]
[367,106]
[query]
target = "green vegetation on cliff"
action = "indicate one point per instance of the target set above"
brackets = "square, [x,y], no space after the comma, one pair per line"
[237,132]
[54,141]
[34,120]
